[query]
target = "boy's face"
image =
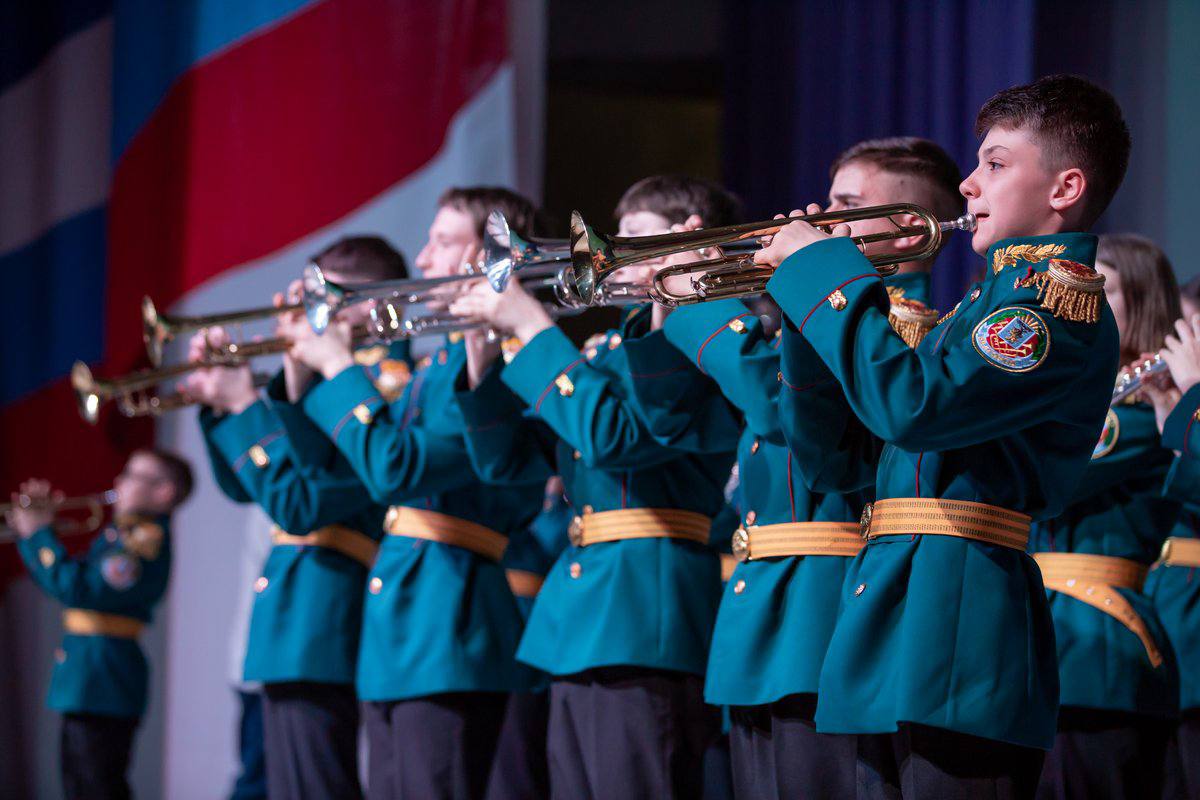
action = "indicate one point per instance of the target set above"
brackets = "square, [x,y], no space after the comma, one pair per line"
[451,234]
[857,184]
[143,487]
[640,223]
[1010,191]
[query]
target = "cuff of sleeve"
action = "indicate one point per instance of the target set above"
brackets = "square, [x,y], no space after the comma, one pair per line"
[43,537]
[537,366]
[349,395]
[800,366]
[244,437]
[490,402]
[708,331]
[822,279]
[1175,429]
[653,356]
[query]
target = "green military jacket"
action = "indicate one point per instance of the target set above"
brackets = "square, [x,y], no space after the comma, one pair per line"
[124,573]
[1000,404]
[1175,590]
[636,602]
[1118,510]
[307,615]
[438,618]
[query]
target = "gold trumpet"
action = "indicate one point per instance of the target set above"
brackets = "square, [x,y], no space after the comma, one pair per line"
[94,504]
[158,329]
[595,257]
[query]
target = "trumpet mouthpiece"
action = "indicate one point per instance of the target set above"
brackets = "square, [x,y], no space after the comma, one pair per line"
[966,223]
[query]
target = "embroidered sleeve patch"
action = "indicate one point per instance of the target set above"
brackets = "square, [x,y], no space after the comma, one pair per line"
[120,570]
[1108,435]
[1013,339]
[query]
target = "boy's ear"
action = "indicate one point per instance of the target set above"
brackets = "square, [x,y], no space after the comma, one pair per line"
[906,242]
[1068,190]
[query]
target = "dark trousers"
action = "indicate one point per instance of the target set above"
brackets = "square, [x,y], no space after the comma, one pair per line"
[311,735]
[919,762]
[94,756]
[1105,754]
[777,752]
[1181,780]
[519,769]
[252,777]
[718,770]
[432,748]
[629,733]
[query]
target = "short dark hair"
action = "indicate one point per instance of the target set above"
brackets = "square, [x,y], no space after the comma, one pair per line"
[477,202]
[912,155]
[370,258]
[1150,290]
[1076,124]
[178,469]
[677,197]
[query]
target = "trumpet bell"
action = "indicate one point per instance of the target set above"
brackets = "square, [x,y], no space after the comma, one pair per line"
[155,331]
[506,252]
[321,298]
[591,255]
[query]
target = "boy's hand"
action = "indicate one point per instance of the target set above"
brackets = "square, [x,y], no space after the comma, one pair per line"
[1181,351]
[290,326]
[226,389]
[795,236]
[27,520]
[328,353]
[514,309]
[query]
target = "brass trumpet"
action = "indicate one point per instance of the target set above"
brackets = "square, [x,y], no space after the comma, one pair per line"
[595,256]
[94,504]
[158,329]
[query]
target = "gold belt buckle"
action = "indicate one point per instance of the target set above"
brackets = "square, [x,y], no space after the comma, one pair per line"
[740,544]
[864,522]
[575,532]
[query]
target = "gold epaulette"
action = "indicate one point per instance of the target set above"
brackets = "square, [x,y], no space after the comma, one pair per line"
[394,375]
[370,356]
[911,319]
[595,340]
[1068,289]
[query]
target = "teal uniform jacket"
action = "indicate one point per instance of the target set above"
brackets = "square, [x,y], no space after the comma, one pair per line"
[999,404]
[307,616]
[637,602]
[1118,510]
[535,549]
[102,674]
[438,618]
[1175,591]
[777,614]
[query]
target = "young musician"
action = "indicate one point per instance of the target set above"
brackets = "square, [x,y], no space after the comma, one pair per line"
[793,544]
[623,621]
[944,647]
[100,677]
[1172,583]
[441,626]
[1113,722]
[303,643]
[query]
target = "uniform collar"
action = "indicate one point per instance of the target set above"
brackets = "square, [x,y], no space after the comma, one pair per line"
[1024,252]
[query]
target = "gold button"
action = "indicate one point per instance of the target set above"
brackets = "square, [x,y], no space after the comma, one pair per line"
[565,387]
[362,413]
[862,587]
[576,570]
[1108,601]
[260,585]
[837,300]
[864,521]
[259,456]
[779,377]
[591,353]
[750,517]
[587,509]
[754,446]
[376,585]
[975,294]
[47,557]
[740,544]
[739,587]
[614,342]
[60,655]
[737,326]
[577,455]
